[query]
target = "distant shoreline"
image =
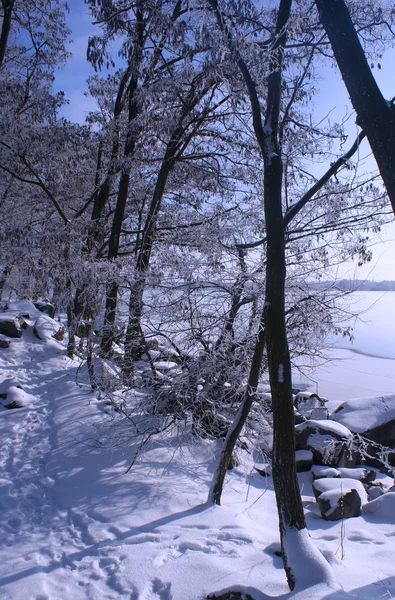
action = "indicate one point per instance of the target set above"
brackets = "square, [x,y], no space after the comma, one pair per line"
[355,285]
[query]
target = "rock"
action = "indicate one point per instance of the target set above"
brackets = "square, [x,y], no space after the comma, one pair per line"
[16,397]
[45,307]
[321,486]
[13,404]
[339,505]
[373,418]
[230,596]
[329,442]
[374,455]
[12,325]
[375,491]
[298,418]
[304,460]
[363,475]
[382,507]
[46,328]
[4,343]
[323,472]
[339,498]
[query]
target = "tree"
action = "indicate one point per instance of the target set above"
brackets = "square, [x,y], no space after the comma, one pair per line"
[375,114]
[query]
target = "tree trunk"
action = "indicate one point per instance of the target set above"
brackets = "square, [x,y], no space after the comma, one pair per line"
[240,419]
[112,292]
[289,503]
[375,115]
[123,190]
[5,28]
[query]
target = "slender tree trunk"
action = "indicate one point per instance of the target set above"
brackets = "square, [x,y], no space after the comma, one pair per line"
[289,503]
[3,280]
[123,190]
[240,419]
[375,115]
[112,292]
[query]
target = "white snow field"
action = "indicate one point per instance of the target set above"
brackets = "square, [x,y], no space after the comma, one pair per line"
[74,526]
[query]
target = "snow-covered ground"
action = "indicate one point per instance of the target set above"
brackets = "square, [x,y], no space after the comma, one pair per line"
[74,526]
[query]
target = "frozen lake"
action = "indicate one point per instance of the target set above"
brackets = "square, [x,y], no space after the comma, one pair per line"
[364,367]
[374,329]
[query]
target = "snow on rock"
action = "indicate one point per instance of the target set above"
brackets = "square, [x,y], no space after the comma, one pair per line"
[322,471]
[12,325]
[46,328]
[304,460]
[382,507]
[362,414]
[337,429]
[25,307]
[321,486]
[16,397]
[363,475]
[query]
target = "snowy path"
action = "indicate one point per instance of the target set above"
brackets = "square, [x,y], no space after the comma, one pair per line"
[73,526]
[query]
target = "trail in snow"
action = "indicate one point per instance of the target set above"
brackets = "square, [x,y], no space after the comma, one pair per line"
[73,526]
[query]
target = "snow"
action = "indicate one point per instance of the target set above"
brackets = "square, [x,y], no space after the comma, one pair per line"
[46,328]
[326,425]
[361,414]
[382,507]
[304,455]
[345,485]
[74,525]
[301,551]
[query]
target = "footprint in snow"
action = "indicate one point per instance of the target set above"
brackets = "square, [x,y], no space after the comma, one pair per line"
[158,590]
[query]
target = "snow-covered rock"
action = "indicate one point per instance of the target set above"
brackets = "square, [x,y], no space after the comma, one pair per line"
[372,417]
[12,325]
[46,328]
[16,397]
[339,498]
[304,460]
[382,507]
[329,442]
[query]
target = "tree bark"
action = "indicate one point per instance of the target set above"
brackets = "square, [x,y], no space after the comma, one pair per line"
[234,431]
[285,481]
[5,28]
[375,115]
[123,191]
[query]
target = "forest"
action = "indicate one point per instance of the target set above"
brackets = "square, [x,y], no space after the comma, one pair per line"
[184,232]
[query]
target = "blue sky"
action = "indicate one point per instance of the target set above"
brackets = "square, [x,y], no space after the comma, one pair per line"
[332,99]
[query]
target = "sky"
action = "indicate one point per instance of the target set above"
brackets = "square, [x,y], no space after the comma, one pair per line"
[332,100]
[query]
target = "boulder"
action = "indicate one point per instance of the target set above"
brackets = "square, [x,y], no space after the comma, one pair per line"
[12,325]
[365,476]
[329,442]
[336,505]
[229,596]
[375,491]
[382,507]
[45,307]
[379,457]
[373,418]
[339,498]
[304,460]
[4,343]
[46,328]
[323,472]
